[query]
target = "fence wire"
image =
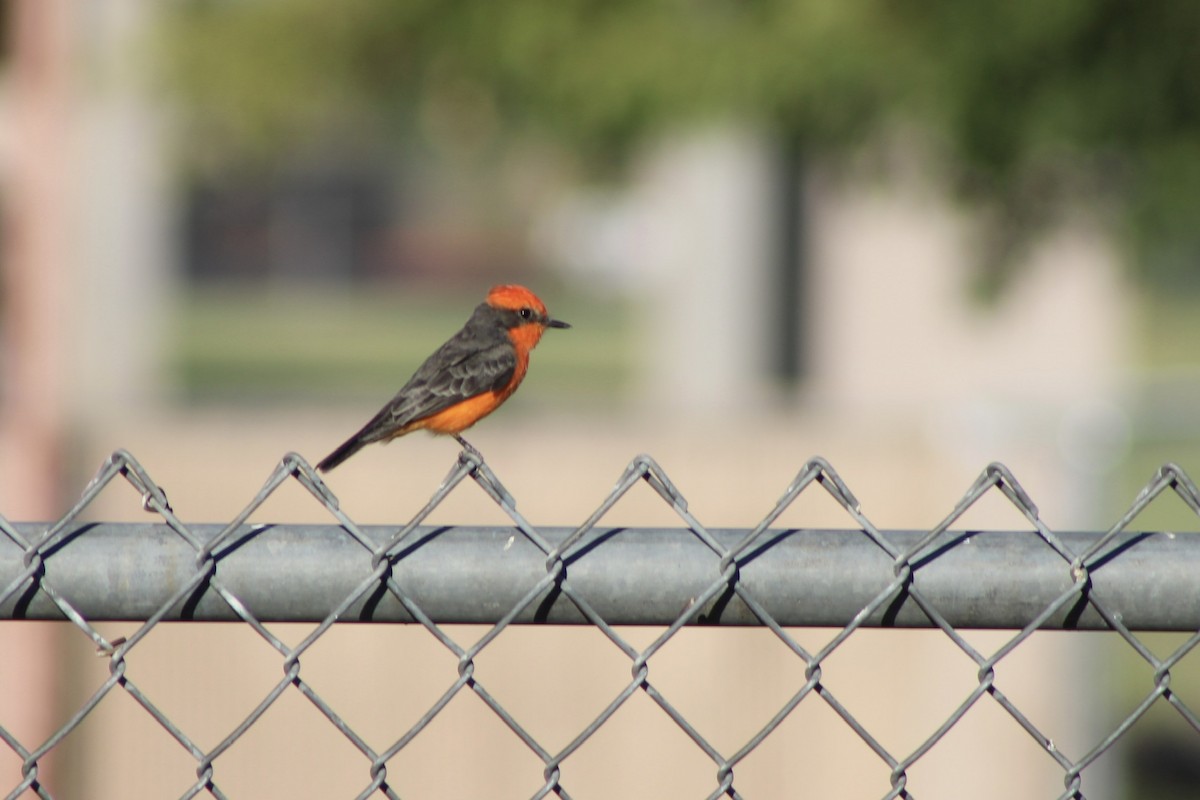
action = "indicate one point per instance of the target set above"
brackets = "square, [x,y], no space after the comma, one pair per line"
[1112,580]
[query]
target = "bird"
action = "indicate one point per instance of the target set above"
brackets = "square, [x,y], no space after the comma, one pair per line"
[465,379]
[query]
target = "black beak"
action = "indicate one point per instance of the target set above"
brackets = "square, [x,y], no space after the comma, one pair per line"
[556,323]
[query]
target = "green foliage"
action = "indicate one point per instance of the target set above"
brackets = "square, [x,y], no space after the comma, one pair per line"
[1038,105]
[598,75]
[1046,104]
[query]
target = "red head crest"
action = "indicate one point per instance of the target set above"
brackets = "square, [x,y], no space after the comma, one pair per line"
[513,298]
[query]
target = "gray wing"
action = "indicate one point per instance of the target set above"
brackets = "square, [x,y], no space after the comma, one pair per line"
[457,371]
[449,377]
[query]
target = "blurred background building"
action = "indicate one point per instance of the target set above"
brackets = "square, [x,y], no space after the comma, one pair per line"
[912,238]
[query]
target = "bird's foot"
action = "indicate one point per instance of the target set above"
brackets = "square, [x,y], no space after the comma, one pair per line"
[469,448]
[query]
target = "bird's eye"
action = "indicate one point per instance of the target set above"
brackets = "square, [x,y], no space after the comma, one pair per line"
[526,313]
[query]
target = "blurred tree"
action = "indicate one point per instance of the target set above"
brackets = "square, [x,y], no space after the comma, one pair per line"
[1036,106]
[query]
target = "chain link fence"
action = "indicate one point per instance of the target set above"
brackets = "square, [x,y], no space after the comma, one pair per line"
[776,579]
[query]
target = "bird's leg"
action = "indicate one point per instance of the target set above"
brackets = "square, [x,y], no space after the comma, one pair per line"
[470,448]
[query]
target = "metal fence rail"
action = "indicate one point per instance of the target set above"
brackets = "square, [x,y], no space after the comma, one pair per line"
[946,579]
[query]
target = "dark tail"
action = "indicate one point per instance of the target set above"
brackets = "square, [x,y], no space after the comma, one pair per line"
[347,449]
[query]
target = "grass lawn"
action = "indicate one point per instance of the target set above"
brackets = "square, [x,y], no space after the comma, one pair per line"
[315,345]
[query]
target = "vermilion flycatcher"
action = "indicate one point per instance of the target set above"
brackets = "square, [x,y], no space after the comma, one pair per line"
[466,378]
